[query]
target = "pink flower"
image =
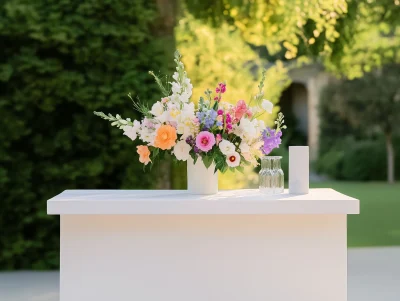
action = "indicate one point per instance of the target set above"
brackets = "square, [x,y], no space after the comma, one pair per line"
[220,112]
[228,123]
[205,141]
[219,138]
[147,123]
[221,88]
[249,114]
[173,123]
[240,109]
[216,98]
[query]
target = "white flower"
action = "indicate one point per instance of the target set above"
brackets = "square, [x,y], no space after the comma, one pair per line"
[189,86]
[130,131]
[184,96]
[136,125]
[176,88]
[267,105]
[174,115]
[175,76]
[260,125]
[226,147]
[185,128]
[147,135]
[188,110]
[164,117]
[187,83]
[244,147]
[233,159]
[157,109]
[238,131]
[181,150]
[247,129]
[255,147]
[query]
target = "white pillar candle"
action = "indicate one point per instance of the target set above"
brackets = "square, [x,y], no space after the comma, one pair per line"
[299,163]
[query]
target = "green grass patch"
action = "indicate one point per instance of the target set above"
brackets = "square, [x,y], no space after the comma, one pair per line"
[378,223]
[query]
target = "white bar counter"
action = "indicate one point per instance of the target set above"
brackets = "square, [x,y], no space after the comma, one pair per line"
[238,245]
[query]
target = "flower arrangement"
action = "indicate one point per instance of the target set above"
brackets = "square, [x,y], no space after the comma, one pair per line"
[230,136]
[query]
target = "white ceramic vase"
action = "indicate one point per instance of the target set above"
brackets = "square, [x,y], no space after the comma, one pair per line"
[201,180]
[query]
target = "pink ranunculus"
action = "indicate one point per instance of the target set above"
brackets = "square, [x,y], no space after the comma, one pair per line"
[205,141]
[240,109]
[220,112]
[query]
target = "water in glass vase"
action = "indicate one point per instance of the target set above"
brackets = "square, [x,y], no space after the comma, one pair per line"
[271,175]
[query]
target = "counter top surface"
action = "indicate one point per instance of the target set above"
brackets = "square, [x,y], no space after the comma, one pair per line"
[177,202]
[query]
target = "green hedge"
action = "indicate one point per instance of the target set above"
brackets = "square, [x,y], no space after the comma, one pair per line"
[357,160]
[347,152]
[60,61]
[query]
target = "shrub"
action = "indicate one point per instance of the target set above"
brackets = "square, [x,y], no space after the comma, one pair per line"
[365,161]
[357,160]
[331,164]
[60,61]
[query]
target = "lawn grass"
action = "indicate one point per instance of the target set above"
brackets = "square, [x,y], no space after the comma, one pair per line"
[378,223]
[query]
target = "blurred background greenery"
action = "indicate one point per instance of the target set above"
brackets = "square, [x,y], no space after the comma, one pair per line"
[332,67]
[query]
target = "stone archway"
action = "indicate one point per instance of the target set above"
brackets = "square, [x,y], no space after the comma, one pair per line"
[294,105]
[304,94]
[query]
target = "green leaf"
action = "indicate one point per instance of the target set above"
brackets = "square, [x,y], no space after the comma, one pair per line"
[207,160]
[224,169]
[215,107]
[240,169]
[155,152]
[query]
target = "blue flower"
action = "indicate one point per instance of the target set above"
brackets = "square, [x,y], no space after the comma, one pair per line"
[207,118]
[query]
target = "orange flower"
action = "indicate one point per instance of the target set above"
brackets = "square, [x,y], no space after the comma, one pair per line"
[166,137]
[144,154]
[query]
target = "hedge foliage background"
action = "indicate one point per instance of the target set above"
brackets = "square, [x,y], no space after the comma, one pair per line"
[353,153]
[60,61]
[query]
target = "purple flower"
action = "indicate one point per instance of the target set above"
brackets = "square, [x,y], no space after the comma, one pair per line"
[272,139]
[190,140]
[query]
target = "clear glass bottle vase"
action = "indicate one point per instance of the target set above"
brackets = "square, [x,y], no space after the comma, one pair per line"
[271,175]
